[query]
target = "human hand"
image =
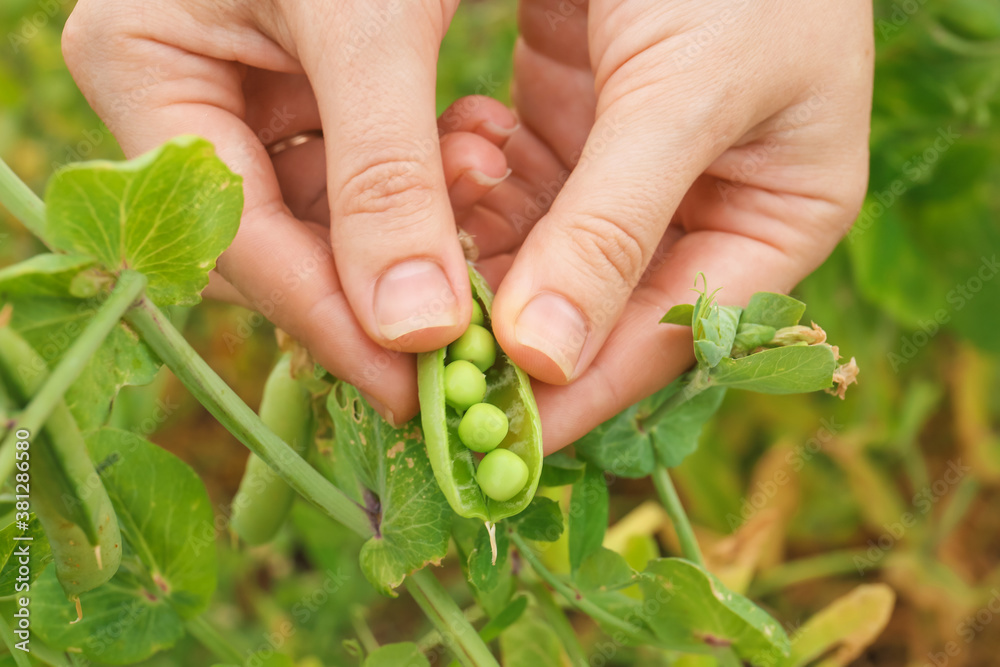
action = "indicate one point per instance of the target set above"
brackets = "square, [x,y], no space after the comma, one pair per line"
[389,270]
[725,138]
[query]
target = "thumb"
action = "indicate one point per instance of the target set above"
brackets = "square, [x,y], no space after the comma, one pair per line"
[373,67]
[578,267]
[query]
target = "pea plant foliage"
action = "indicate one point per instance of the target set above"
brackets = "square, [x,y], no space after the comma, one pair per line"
[123,530]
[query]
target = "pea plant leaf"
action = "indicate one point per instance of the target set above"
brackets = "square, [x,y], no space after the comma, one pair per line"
[168,214]
[531,641]
[51,324]
[503,620]
[750,336]
[11,553]
[468,535]
[714,328]
[561,469]
[619,445]
[48,274]
[413,516]
[483,573]
[681,314]
[626,447]
[541,521]
[168,573]
[698,614]
[394,655]
[773,310]
[783,370]
[676,434]
[842,630]
[604,570]
[123,623]
[588,516]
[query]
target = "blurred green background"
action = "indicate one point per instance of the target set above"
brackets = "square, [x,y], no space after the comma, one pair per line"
[912,293]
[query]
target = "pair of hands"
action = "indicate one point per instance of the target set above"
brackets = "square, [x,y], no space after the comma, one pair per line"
[653,139]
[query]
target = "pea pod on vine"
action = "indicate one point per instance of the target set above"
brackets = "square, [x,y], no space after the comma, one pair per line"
[264,499]
[69,498]
[508,389]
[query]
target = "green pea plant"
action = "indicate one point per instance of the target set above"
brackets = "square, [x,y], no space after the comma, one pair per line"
[115,525]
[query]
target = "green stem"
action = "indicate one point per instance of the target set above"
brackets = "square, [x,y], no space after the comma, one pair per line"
[456,631]
[21,201]
[362,630]
[473,614]
[560,625]
[698,382]
[129,288]
[805,569]
[575,598]
[213,393]
[672,503]
[8,638]
[214,641]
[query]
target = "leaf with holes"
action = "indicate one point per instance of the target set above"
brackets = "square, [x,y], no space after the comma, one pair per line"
[413,517]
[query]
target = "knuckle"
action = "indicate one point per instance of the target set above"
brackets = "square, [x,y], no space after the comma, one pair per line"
[396,184]
[609,248]
[74,38]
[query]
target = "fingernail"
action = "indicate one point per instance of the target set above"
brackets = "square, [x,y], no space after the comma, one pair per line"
[379,408]
[488,181]
[553,326]
[412,296]
[499,130]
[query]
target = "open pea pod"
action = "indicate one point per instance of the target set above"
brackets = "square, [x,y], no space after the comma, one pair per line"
[454,464]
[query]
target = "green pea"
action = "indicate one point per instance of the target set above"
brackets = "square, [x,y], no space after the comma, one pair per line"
[464,385]
[483,427]
[477,314]
[502,474]
[476,345]
[507,388]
